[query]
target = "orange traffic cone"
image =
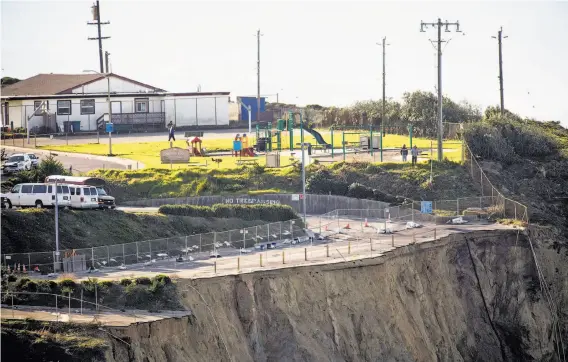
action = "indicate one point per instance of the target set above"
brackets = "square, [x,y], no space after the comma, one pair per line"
[347,226]
[366,223]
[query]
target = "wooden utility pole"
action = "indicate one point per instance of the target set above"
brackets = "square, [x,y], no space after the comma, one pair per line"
[439,24]
[499,38]
[96,10]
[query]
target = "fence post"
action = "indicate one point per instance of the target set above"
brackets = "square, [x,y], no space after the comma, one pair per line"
[260,260]
[238,264]
[186,250]
[96,297]
[305,254]
[93,257]
[81,300]
[200,243]
[123,255]
[69,306]
[35,140]
[392,236]
[137,259]
[215,266]
[371,242]
[327,250]
[349,247]
[515,210]
[283,257]
[480,199]
[108,255]
[434,233]
[13,139]
[458,206]
[13,304]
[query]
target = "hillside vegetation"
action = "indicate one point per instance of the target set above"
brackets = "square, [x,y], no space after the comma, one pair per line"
[34,229]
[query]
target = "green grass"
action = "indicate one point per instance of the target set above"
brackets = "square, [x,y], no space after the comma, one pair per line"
[149,152]
[32,229]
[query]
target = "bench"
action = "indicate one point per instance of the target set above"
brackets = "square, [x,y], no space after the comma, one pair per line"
[246,162]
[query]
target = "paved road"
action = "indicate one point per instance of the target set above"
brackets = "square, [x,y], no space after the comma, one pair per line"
[112,318]
[79,163]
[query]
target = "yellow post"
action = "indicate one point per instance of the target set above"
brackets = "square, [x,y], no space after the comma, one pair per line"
[238,264]
[260,260]
[327,250]
[283,257]
[392,240]
[215,267]
[305,254]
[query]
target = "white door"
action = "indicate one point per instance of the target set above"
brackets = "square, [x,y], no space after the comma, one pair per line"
[27,197]
[75,196]
[14,195]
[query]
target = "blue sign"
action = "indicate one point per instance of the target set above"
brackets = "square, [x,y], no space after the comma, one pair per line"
[109,127]
[237,145]
[426,207]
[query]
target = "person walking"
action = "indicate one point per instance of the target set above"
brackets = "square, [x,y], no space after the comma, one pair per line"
[414,154]
[404,152]
[171,135]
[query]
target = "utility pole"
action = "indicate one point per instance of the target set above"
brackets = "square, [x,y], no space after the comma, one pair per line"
[258,75]
[499,40]
[96,10]
[384,44]
[106,62]
[439,25]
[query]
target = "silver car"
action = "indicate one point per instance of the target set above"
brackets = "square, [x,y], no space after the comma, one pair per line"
[34,159]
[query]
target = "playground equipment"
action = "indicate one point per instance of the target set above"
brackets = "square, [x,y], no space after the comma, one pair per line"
[194,146]
[241,146]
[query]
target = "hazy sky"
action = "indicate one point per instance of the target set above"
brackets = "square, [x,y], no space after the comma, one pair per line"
[311,52]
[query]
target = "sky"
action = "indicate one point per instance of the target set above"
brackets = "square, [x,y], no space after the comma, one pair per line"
[312,52]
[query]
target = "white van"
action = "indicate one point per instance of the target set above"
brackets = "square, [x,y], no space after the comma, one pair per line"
[83,197]
[105,201]
[37,195]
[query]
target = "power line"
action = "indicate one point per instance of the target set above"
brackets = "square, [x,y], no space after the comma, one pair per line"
[439,25]
[499,38]
[96,10]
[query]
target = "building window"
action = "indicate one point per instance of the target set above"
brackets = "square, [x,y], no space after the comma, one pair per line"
[63,108]
[141,105]
[37,104]
[87,106]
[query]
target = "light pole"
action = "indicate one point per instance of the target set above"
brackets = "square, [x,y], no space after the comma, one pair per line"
[56,267]
[244,232]
[107,76]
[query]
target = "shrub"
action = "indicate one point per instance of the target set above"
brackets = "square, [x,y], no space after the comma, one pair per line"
[143,281]
[12,278]
[67,283]
[323,182]
[106,283]
[30,286]
[125,282]
[162,279]
[246,212]
[359,191]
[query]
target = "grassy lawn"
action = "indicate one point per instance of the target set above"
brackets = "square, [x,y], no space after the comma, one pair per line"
[149,152]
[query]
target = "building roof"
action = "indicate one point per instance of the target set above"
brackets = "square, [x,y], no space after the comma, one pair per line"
[51,84]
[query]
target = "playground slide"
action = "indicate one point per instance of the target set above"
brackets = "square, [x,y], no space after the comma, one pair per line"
[317,136]
[249,152]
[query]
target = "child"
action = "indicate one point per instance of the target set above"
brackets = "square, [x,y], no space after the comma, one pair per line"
[404,152]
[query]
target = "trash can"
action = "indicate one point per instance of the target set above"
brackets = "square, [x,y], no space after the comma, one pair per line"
[309,149]
[76,126]
[261,145]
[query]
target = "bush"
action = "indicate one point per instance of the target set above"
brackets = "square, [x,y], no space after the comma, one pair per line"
[359,191]
[12,278]
[22,281]
[106,283]
[323,182]
[162,279]
[125,282]
[67,283]
[143,281]
[30,286]
[269,213]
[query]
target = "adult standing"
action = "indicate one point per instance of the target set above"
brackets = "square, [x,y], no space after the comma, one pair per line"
[414,154]
[404,153]
[171,134]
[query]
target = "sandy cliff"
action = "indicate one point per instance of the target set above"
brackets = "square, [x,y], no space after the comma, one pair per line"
[468,297]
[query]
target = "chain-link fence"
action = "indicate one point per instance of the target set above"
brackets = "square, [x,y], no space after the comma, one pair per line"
[502,206]
[150,251]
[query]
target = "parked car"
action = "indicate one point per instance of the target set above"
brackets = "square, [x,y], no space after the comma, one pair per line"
[86,192]
[4,201]
[37,195]
[34,159]
[16,163]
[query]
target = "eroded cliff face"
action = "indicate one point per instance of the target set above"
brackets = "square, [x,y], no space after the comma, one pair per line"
[468,297]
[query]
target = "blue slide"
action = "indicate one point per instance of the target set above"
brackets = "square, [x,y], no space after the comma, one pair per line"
[317,136]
